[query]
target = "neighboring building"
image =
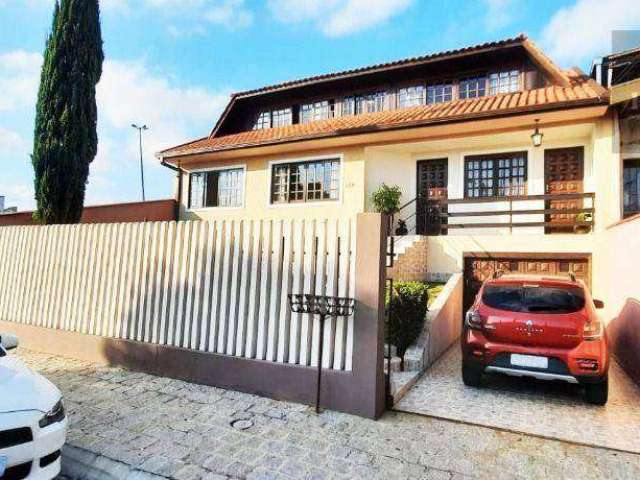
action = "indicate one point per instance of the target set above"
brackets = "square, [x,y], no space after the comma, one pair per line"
[6,210]
[454,130]
[621,73]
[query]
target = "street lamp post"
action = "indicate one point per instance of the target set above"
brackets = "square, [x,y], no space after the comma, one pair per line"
[140,130]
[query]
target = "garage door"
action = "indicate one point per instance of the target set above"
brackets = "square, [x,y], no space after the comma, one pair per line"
[477,270]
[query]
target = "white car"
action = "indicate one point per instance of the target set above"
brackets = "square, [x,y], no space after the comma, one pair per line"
[33,424]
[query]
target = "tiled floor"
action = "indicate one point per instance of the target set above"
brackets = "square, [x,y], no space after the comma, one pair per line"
[553,410]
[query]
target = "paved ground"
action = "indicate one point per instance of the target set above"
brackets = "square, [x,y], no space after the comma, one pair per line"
[186,431]
[555,410]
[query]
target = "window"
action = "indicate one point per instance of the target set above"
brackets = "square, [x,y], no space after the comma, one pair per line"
[439,93]
[216,188]
[410,96]
[315,111]
[373,102]
[519,298]
[631,187]
[472,87]
[348,106]
[263,121]
[282,117]
[504,82]
[500,175]
[305,181]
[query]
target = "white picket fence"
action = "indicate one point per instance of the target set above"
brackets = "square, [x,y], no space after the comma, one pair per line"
[217,286]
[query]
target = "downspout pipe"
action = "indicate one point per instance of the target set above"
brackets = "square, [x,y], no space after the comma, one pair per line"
[179,173]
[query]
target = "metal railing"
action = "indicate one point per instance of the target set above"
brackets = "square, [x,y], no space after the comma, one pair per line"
[425,216]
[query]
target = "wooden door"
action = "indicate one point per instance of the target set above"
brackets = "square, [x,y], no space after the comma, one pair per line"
[432,188]
[563,174]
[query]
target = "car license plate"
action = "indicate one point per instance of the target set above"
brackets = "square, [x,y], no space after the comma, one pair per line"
[529,361]
[3,464]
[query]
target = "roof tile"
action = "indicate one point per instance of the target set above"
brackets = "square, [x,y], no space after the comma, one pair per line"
[581,89]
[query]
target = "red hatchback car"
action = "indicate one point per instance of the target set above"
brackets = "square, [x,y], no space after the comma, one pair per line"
[541,327]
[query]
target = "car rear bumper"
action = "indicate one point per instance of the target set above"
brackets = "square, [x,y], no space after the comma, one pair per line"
[565,365]
[40,457]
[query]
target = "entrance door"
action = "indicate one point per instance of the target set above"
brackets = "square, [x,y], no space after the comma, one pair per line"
[563,174]
[431,188]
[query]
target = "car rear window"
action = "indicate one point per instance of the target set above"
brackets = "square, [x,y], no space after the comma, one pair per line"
[534,299]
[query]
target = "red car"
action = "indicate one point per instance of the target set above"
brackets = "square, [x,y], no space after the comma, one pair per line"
[535,326]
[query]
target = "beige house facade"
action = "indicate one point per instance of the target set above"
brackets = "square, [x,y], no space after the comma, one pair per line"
[455,131]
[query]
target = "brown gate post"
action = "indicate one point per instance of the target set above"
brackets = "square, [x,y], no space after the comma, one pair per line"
[368,350]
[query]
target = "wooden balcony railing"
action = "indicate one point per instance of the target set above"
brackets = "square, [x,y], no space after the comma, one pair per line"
[565,213]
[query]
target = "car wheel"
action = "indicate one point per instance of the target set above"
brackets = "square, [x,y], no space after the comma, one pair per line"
[597,393]
[471,375]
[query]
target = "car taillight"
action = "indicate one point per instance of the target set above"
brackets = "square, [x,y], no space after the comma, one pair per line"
[592,330]
[473,320]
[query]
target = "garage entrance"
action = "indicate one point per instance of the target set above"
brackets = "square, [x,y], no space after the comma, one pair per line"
[479,267]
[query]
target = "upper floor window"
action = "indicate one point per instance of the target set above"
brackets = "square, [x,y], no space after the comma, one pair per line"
[263,121]
[216,188]
[281,117]
[631,187]
[348,106]
[410,96]
[275,118]
[315,111]
[439,93]
[305,181]
[504,82]
[472,87]
[372,102]
[499,175]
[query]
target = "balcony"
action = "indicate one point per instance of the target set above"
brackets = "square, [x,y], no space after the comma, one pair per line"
[528,214]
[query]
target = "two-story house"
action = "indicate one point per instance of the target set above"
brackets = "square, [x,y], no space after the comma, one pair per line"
[505,160]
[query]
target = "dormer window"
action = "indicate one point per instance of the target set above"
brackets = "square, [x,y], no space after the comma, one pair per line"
[281,117]
[275,118]
[263,121]
[411,96]
[440,93]
[504,82]
[472,87]
[372,102]
[310,112]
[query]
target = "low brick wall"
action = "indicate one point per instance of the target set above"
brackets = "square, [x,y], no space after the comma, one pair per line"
[411,266]
[151,211]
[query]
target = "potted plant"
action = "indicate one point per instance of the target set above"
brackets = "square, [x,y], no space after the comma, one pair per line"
[583,218]
[386,199]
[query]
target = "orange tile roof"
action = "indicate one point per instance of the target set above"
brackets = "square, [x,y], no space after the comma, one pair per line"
[580,92]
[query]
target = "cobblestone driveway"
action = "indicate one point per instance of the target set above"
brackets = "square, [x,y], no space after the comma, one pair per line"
[186,431]
[555,410]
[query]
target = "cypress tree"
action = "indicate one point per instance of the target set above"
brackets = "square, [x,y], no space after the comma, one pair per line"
[65,137]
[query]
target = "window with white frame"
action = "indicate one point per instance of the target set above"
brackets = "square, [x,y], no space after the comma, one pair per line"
[411,96]
[310,112]
[262,121]
[472,87]
[308,181]
[439,93]
[504,82]
[216,188]
[282,117]
[369,103]
[348,106]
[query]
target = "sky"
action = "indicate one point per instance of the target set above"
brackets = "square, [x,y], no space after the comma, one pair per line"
[172,64]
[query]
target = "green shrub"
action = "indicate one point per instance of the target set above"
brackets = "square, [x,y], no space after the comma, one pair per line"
[407,314]
[386,199]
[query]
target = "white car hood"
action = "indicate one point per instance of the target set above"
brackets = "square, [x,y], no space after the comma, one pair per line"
[23,389]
